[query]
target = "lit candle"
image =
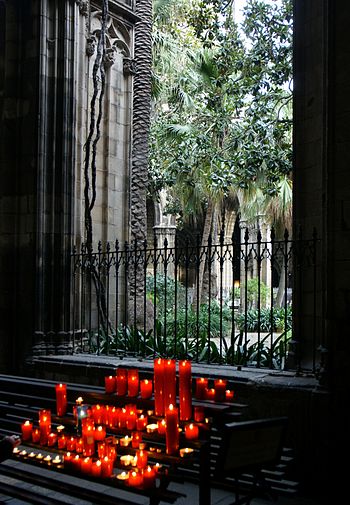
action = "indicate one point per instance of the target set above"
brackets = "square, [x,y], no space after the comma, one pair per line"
[185,390]
[135,479]
[152,428]
[131,420]
[142,459]
[199,414]
[31,454]
[126,459]
[186,451]
[111,452]
[61,399]
[141,423]
[162,427]
[96,468]
[101,450]
[106,467]
[109,384]
[210,394]
[71,442]
[146,389]
[169,383]
[229,395]
[100,433]
[125,441]
[159,386]
[172,430]
[27,429]
[86,465]
[121,382]
[98,413]
[48,459]
[39,456]
[133,382]
[57,460]
[23,453]
[157,467]
[124,476]
[201,386]
[88,440]
[191,431]
[44,425]
[61,442]
[76,463]
[52,439]
[35,435]
[79,445]
[220,389]
[122,418]
[68,460]
[149,478]
[136,439]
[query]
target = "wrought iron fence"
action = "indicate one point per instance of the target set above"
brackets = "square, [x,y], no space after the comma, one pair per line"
[228,302]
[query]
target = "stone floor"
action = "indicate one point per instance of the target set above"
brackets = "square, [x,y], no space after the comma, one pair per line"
[218,496]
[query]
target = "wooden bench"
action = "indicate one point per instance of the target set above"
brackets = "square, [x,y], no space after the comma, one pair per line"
[250,448]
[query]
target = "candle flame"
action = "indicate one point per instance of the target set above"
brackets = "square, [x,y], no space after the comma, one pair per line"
[191,426]
[146,381]
[171,407]
[79,400]
[27,423]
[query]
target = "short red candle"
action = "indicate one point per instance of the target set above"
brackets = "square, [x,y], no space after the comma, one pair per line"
[210,394]
[229,395]
[71,442]
[98,414]
[191,431]
[131,420]
[111,452]
[172,430]
[52,439]
[100,433]
[220,389]
[161,426]
[169,383]
[109,384]
[68,460]
[141,422]
[201,386]
[86,465]
[141,458]
[61,399]
[133,382]
[185,390]
[27,429]
[76,463]
[106,467]
[79,445]
[35,435]
[136,439]
[159,387]
[199,414]
[101,449]
[146,389]
[96,468]
[88,441]
[149,478]
[61,442]
[122,382]
[135,479]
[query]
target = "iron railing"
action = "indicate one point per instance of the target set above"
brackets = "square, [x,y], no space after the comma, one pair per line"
[142,300]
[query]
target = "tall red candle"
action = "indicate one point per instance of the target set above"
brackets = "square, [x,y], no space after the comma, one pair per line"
[149,478]
[133,382]
[172,430]
[27,429]
[141,458]
[99,433]
[185,390]
[35,435]
[44,425]
[122,382]
[106,467]
[169,383]
[146,389]
[61,399]
[88,441]
[201,386]
[159,387]
[96,468]
[86,465]
[109,384]
[220,390]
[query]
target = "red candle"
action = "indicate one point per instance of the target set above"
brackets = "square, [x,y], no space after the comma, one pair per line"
[172,430]
[135,479]
[45,417]
[110,384]
[121,382]
[210,394]
[27,429]
[229,395]
[101,450]
[161,426]
[185,390]
[106,467]
[141,422]
[191,431]
[199,414]
[61,442]
[112,419]
[136,439]
[35,435]
[220,389]
[68,460]
[79,445]
[88,441]
[86,465]
[122,418]
[61,399]
[133,382]
[71,442]
[45,427]
[169,383]
[146,388]
[52,439]
[201,387]
[76,463]
[149,478]
[159,387]
[98,414]
[100,433]
[96,468]
[141,458]
[131,420]
[111,452]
